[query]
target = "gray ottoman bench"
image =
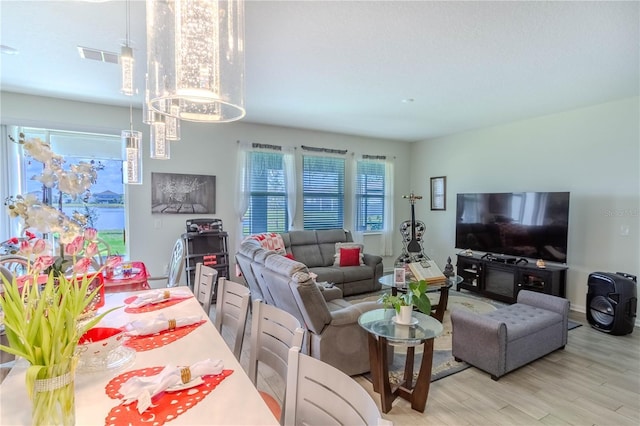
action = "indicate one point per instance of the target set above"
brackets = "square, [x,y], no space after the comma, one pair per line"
[510,337]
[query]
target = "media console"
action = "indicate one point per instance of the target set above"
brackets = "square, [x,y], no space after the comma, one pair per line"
[501,278]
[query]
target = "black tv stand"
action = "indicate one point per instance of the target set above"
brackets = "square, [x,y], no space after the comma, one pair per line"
[501,278]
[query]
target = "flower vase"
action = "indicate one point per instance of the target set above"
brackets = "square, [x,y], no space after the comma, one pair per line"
[404,317]
[53,394]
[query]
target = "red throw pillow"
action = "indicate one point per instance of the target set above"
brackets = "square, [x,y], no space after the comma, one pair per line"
[290,256]
[350,256]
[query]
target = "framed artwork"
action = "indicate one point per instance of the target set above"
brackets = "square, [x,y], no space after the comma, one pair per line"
[438,193]
[173,193]
[398,277]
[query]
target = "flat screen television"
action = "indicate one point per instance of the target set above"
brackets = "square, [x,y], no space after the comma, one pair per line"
[524,224]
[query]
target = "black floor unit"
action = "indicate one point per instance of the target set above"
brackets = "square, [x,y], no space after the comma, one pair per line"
[205,243]
[612,302]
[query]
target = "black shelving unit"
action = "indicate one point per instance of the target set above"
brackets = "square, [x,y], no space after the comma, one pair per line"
[206,243]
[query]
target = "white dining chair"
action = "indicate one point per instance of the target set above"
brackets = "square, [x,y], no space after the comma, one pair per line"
[14,264]
[232,307]
[320,394]
[204,284]
[176,265]
[273,333]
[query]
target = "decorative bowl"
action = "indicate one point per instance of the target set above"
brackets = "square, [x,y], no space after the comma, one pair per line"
[100,341]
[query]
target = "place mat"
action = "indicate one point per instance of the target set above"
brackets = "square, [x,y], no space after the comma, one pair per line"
[157,340]
[151,307]
[166,405]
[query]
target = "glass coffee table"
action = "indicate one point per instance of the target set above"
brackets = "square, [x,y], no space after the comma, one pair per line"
[384,331]
[438,308]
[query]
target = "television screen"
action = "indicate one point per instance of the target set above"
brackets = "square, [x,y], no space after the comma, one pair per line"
[524,224]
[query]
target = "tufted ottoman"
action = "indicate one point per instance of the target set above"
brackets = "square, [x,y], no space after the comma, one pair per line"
[510,337]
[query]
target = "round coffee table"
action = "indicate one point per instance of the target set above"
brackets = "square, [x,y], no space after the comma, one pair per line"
[439,308]
[383,331]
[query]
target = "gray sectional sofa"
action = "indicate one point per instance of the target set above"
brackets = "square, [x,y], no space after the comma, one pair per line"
[316,249]
[333,334]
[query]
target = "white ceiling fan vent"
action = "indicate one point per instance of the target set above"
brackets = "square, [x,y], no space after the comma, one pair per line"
[98,55]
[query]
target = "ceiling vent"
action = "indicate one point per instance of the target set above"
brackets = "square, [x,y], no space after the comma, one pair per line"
[98,55]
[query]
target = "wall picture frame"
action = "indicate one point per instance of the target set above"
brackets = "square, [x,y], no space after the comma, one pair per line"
[439,193]
[173,193]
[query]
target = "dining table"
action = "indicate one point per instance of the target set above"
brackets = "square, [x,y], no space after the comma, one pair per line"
[228,398]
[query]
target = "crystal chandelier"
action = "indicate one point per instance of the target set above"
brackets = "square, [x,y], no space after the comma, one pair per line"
[126,62]
[195,59]
[132,154]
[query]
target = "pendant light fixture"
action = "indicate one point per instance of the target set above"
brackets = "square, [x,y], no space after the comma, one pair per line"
[196,59]
[126,61]
[158,137]
[132,154]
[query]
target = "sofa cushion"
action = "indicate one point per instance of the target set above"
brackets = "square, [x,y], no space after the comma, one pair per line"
[337,259]
[522,320]
[329,274]
[356,273]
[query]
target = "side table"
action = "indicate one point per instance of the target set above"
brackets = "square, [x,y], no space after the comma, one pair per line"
[383,331]
[438,308]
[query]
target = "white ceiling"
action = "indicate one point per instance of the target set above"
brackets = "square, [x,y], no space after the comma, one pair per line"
[346,66]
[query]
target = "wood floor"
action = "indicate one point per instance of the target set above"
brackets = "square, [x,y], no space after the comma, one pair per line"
[595,380]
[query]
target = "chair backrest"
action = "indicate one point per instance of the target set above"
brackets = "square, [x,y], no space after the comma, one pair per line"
[294,291]
[232,306]
[203,285]
[176,263]
[273,333]
[104,251]
[15,264]
[320,394]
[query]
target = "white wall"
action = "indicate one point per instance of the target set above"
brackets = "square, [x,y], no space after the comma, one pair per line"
[204,149]
[592,152]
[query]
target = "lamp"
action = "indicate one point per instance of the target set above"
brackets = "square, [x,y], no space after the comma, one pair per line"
[158,138]
[195,59]
[132,163]
[126,62]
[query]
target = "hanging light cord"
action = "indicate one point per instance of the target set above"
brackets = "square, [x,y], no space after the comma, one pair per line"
[131,117]
[128,20]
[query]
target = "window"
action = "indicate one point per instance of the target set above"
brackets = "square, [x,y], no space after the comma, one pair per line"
[323,192]
[267,209]
[105,209]
[369,202]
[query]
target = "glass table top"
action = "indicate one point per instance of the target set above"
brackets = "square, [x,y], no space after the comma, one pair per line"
[381,322]
[388,280]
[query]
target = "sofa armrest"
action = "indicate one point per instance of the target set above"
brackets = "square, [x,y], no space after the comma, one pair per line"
[350,314]
[371,259]
[474,338]
[329,292]
[544,301]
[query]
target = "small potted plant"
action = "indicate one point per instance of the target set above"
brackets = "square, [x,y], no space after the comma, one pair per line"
[416,295]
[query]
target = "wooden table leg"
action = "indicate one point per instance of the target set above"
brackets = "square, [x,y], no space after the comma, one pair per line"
[421,391]
[408,367]
[386,397]
[441,307]
[374,362]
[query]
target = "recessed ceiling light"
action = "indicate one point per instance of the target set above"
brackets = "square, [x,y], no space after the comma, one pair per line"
[8,50]
[408,100]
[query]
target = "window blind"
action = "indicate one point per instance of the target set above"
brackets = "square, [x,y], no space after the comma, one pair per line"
[323,192]
[369,202]
[267,211]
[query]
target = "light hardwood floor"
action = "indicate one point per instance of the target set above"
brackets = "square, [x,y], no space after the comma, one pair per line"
[595,380]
